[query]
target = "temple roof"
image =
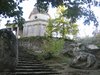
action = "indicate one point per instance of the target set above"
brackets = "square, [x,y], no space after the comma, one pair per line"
[35,11]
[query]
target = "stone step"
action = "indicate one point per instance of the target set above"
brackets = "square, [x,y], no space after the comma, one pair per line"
[36,73]
[31,67]
[34,64]
[30,61]
[22,60]
[26,59]
[26,55]
[34,70]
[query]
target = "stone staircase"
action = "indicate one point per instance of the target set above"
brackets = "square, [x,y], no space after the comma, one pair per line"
[29,65]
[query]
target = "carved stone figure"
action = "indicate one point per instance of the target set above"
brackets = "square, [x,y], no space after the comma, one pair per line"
[82,58]
[8,50]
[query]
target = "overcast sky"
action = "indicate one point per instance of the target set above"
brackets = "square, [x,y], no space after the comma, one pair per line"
[28,6]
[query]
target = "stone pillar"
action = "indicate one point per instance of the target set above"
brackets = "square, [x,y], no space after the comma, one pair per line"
[17,32]
[8,51]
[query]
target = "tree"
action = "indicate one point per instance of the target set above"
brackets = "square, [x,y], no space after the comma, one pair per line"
[11,8]
[61,25]
[17,21]
[50,27]
[76,9]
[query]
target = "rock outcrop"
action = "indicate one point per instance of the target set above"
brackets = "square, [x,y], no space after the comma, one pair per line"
[83,57]
[8,50]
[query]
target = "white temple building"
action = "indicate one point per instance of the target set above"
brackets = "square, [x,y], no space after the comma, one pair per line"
[36,26]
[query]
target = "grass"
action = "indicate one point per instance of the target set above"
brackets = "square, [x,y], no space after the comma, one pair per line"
[57,59]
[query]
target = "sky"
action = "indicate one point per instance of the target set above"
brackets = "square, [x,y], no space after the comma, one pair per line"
[28,6]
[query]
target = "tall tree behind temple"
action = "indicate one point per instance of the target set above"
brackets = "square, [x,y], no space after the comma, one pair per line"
[61,25]
[76,9]
[11,8]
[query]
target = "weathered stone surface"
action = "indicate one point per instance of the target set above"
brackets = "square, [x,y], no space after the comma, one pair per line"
[67,49]
[84,58]
[92,46]
[73,71]
[8,50]
[35,44]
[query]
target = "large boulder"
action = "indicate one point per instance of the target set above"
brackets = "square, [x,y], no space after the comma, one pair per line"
[83,58]
[92,46]
[8,50]
[67,49]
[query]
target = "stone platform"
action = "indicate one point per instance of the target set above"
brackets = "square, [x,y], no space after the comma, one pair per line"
[72,71]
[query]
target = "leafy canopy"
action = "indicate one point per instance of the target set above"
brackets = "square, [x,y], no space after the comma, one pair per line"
[11,8]
[61,25]
[76,9]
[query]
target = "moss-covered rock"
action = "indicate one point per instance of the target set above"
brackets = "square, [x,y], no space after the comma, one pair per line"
[8,50]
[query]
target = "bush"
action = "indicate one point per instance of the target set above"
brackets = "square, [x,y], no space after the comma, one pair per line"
[52,47]
[49,47]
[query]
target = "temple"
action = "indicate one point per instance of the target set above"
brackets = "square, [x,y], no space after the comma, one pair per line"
[36,26]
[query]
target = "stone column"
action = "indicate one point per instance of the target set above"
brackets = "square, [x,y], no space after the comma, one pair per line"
[17,32]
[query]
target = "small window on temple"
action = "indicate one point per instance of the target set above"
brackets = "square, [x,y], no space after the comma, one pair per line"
[35,17]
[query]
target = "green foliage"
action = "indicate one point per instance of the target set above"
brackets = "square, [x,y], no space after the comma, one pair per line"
[76,9]
[53,47]
[60,59]
[32,38]
[61,25]
[11,8]
[50,27]
[17,22]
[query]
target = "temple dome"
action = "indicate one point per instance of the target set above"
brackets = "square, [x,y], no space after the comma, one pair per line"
[36,14]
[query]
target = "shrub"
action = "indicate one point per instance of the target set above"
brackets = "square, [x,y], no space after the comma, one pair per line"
[52,47]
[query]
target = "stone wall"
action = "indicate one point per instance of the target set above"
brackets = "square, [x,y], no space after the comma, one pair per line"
[31,43]
[37,43]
